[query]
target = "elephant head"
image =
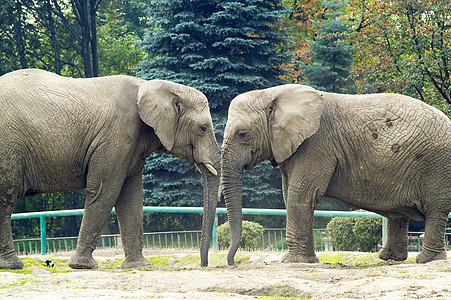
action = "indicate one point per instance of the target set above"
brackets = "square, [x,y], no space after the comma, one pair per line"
[267,124]
[181,119]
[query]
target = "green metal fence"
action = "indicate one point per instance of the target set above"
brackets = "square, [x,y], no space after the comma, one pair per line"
[272,239]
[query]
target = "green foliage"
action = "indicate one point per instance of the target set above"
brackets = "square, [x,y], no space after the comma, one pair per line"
[299,23]
[251,234]
[329,64]
[117,40]
[403,47]
[355,233]
[222,48]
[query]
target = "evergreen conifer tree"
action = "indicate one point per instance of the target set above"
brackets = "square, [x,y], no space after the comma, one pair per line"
[222,48]
[330,61]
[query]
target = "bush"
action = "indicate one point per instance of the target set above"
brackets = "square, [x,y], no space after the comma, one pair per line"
[251,234]
[355,234]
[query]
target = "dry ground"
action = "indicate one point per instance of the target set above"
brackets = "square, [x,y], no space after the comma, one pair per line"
[260,275]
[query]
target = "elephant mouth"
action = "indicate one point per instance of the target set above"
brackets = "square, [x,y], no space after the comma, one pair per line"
[253,160]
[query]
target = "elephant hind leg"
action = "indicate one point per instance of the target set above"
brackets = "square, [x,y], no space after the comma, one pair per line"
[10,190]
[8,257]
[396,242]
[434,238]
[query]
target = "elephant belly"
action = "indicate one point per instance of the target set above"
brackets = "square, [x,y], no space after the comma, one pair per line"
[53,174]
[388,198]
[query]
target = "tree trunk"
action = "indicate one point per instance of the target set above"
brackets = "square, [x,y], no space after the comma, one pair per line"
[18,35]
[51,28]
[81,9]
[95,59]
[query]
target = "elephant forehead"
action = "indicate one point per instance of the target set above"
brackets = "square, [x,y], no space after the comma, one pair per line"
[246,104]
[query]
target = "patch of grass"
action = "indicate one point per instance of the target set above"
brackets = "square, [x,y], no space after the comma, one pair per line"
[346,259]
[17,283]
[273,292]
[189,260]
[29,262]
[110,264]
[281,298]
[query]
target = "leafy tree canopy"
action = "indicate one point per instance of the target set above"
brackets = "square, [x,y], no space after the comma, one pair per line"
[403,46]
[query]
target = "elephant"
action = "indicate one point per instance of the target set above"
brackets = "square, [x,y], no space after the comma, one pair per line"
[61,134]
[385,153]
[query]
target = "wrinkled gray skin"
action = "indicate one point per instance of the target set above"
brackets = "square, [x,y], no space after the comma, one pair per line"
[386,153]
[61,134]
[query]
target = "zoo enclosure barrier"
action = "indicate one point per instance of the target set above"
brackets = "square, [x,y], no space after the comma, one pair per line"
[272,239]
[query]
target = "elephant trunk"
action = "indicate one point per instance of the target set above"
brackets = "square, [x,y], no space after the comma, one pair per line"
[211,191]
[232,182]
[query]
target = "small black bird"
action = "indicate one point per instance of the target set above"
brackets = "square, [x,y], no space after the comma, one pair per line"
[49,263]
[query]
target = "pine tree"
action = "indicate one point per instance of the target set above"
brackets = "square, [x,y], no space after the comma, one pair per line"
[222,48]
[330,61]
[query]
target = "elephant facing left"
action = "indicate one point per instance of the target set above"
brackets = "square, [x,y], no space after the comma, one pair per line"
[60,134]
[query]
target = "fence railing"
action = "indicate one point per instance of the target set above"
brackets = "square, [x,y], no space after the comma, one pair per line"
[272,239]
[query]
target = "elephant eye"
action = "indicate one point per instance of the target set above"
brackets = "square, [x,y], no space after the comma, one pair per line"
[203,129]
[243,134]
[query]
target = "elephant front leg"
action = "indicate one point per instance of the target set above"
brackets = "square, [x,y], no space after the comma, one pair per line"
[129,211]
[299,235]
[396,242]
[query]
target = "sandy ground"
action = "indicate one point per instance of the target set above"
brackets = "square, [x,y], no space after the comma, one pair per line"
[258,276]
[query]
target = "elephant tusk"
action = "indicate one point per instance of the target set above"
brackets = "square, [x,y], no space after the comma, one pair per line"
[198,169]
[211,169]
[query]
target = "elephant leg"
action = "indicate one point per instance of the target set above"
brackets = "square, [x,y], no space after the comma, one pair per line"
[434,237]
[396,242]
[101,196]
[299,235]
[129,211]
[8,257]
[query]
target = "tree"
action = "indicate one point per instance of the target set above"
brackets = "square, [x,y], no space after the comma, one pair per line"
[50,34]
[300,24]
[32,34]
[329,64]
[120,28]
[222,48]
[403,46]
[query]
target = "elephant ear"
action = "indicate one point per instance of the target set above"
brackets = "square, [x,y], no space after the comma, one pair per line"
[159,107]
[296,112]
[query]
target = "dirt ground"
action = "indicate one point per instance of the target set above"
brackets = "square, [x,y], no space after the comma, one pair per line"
[260,275]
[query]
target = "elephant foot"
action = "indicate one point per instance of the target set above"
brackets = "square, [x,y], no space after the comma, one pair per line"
[135,262]
[10,262]
[79,261]
[387,253]
[427,256]
[290,258]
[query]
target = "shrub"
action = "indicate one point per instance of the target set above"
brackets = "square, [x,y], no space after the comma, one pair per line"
[355,234]
[250,235]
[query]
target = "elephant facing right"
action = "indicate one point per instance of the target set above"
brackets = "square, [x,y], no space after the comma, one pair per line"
[386,153]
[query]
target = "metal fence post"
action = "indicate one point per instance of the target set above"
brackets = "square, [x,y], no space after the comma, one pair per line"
[214,237]
[43,235]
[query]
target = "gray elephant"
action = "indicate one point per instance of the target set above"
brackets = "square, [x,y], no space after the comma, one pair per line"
[385,153]
[60,134]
